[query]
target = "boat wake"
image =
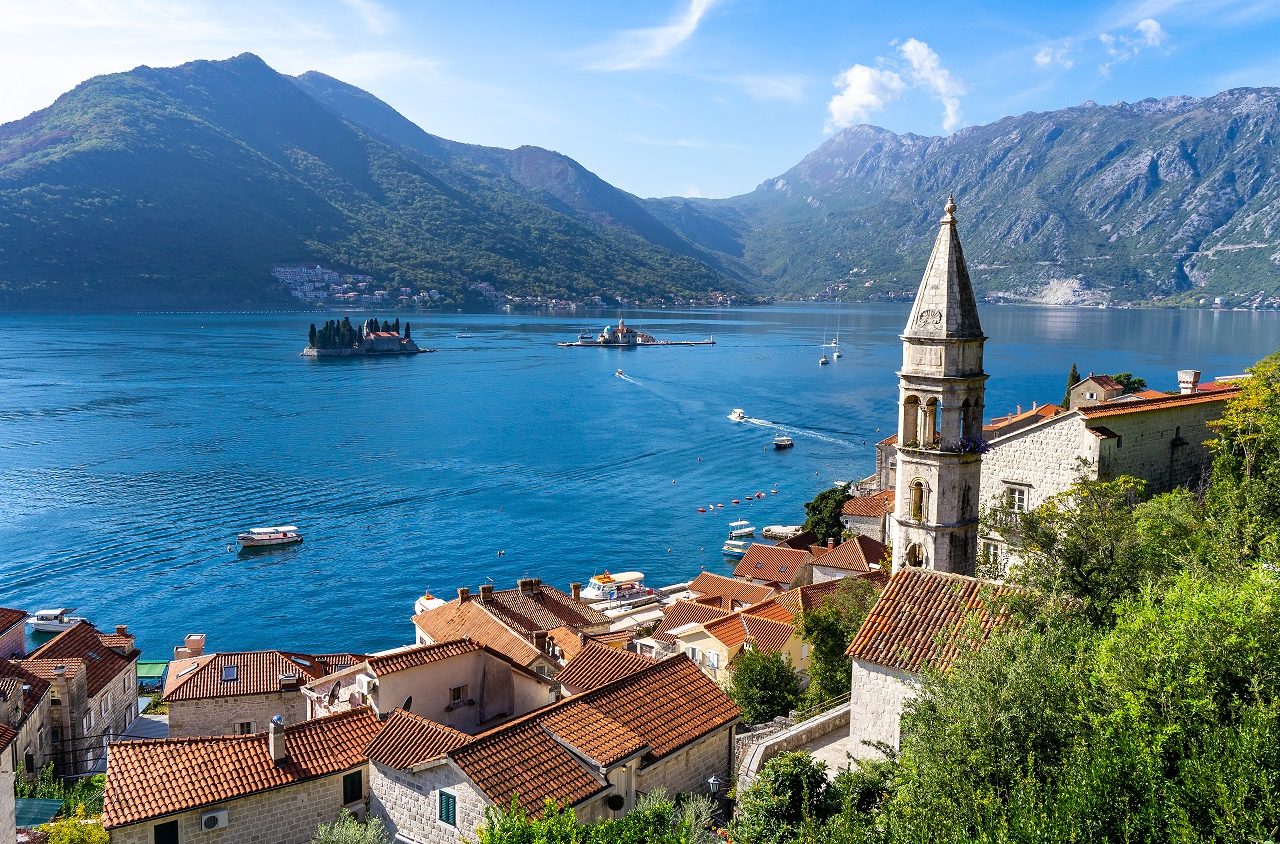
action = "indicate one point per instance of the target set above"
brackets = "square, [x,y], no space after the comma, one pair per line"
[627,378]
[792,430]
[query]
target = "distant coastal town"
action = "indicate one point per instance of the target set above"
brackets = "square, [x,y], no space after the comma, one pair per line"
[707,706]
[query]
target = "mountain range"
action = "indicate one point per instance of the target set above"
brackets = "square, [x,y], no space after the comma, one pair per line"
[182,187]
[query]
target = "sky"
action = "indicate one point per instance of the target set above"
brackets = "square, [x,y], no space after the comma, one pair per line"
[670,97]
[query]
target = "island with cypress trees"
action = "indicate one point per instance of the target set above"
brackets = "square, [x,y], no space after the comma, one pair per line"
[345,339]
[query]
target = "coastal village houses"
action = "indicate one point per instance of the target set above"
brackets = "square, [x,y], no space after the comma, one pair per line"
[514,622]
[239,692]
[93,693]
[13,633]
[24,707]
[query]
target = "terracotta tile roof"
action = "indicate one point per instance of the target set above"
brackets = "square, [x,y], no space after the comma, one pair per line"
[568,640]
[856,555]
[771,562]
[526,761]
[766,635]
[546,608]
[892,439]
[47,669]
[10,617]
[717,585]
[404,658]
[119,641]
[1106,382]
[869,506]
[156,777]
[1098,411]
[598,737]
[336,662]
[33,685]
[681,613]
[614,638]
[785,607]
[407,740]
[470,621]
[7,735]
[925,617]
[801,541]
[596,665]
[249,673]
[1156,394]
[82,641]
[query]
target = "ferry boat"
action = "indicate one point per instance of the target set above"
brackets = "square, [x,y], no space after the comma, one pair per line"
[262,536]
[781,443]
[623,586]
[741,529]
[54,620]
[735,548]
[737,415]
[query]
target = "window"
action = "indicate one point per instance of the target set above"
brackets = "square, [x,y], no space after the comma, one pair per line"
[915,555]
[448,809]
[1015,498]
[408,704]
[991,552]
[244,728]
[692,653]
[458,695]
[166,833]
[106,704]
[917,501]
[88,723]
[713,659]
[229,673]
[29,763]
[1092,395]
[352,788]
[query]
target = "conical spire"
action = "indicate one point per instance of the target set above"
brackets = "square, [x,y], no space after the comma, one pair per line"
[945,307]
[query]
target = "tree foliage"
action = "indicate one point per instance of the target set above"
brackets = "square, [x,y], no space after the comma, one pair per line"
[656,819]
[764,685]
[1073,378]
[1129,382]
[347,830]
[822,514]
[78,828]
[790,790]
[829,629]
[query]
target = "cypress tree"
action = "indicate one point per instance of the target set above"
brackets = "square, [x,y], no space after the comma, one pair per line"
[1073,378]
[311,336]
[406,331]
[395,326]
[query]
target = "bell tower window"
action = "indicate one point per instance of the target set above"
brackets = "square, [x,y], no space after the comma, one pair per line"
[911,421]
[917,501]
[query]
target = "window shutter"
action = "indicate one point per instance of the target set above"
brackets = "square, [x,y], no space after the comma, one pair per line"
[448,809]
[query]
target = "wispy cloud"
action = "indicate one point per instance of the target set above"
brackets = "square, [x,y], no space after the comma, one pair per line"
[691,192]
[1055,55]
[865,90]
[686,143]
[787,87]
[376,18]
[1146,34]
[633,49]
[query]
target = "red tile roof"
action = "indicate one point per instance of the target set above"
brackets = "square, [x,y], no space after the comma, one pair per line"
[469,620]
[596,665]
[766,635]
[681,613]
[9,618]
[741,591]
[255,673]
[785,607]
[925,617]
[1106,382]
[407,740]
[152,778]
[545,608]
[82,641]
[405,658]
[7,735]
[771,563]
[1098,411]
[869,506]
[34,686]
[855,555]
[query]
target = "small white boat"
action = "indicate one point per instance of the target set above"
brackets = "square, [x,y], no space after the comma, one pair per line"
[622,586]
[823,361]
[741,529]
[263,536]
[735,548]
[738,415]
[618,373]
[781,443]
[54,620]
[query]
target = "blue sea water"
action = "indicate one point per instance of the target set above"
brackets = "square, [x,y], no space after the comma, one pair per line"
[133,448]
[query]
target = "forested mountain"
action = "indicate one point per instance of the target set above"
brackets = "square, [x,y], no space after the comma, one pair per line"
[1175,199]
[182,187]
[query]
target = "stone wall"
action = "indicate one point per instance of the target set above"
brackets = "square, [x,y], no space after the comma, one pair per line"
[6,798]
[287,815]
[792,738]
[1044,459]
[875,706]
[218,716]
[34,737]
[1144,445]
[13,642]
[687,770]
[409,803]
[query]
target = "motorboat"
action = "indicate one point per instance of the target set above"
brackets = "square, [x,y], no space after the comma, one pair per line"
[54,620]
[741,529]
[738,415]
[824,360]
[618,373]
[263,536]
[623,586]
[781,443]
[735,548]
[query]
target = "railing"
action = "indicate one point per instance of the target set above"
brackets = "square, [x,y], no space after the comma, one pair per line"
[817,709]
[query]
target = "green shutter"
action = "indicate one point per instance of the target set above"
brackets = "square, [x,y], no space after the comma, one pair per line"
[448,808]
[352,788]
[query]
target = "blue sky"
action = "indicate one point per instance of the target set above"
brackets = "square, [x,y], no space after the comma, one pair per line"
[670,97]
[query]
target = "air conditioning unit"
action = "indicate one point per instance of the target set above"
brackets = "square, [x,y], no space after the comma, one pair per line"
[365,684]
[210,821]
[358,812]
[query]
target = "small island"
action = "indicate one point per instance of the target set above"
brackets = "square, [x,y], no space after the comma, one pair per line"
[342,339]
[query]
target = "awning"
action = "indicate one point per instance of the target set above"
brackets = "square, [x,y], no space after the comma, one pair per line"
[35,811]
[152,669]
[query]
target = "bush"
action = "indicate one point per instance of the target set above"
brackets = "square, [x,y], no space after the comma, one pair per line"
[790,792]
[77,829]
[763,685]
[347,830]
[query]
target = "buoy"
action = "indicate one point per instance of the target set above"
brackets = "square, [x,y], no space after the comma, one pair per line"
[721,506]
[736,501]
[702,509]
[774,491]
[673,480]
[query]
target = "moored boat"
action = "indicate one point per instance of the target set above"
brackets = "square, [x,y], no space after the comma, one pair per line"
[781,443]
[741,529]
[735,548]
[623,586]
[260,537]
[54,620]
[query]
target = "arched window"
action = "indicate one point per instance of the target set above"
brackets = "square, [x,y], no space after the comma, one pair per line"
[915,555]
[910,421]
[966,421]
[917,500]
[929,429]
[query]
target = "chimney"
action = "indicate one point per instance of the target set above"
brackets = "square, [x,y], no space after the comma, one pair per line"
[122,630]
[526,585]
[537,583]
[486,593]
[540,640]
[1019,410]
[464,594]
[192,645]
[60,671]
[277,743]
[1188,381]
[575,590]
[1035,405]
[831,542]
[582,639]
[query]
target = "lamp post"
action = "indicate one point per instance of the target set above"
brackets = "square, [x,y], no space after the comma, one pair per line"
[713,785]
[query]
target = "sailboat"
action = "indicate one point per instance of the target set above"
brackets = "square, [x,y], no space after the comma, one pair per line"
[834,345]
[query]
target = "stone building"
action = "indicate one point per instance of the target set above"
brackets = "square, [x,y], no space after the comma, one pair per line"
[515,622]
[941,388]
[239,692]
[870,514]
[775,566]
[923,618]
[13,633]
[93,696]
[275,786]
[665,725]
[8,736]
[24,707]
[860,556]
[460,683]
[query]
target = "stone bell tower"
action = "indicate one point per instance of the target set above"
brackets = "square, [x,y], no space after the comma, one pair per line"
[940,415]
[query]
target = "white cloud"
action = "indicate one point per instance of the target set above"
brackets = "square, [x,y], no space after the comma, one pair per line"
[864,90]
[927,72]
[1148,33]
[788,88]
[691,192]
[637,48]
[376,18]
[1050,55]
